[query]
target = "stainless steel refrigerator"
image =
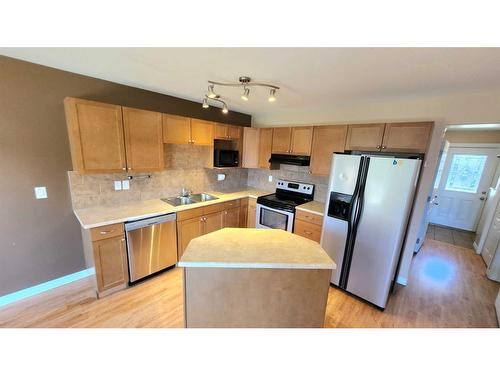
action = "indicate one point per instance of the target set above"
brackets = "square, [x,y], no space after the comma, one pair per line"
[366,215]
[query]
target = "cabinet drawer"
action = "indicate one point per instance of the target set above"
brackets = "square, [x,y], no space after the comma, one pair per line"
[307,230]
[232,204]
[213,208]
[106,231]
[189,214]
[309,217]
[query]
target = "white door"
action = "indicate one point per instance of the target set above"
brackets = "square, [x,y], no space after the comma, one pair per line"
[463,186]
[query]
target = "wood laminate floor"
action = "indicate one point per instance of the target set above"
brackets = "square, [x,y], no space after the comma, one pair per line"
[447,288]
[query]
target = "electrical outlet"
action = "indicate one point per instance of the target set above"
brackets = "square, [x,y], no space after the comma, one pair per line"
[126,184]
[221,177]
[118,185]
[270,178]
[40,192]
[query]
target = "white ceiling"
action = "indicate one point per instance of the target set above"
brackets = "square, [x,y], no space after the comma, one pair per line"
[309,77]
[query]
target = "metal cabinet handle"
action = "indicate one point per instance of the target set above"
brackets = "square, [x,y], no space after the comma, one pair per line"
[124,168]
[106,231]
[123,239]
[307,232]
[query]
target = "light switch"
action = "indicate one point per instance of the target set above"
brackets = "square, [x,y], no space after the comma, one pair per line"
[40,192]
[118,185]
[126,184]
[270,178]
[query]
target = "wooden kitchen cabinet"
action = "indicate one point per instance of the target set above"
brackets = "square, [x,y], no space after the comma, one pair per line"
[365,137]
[407,137]
[213,222]
[143,140]
[111,265]
[243,212]
[252,210]
[294,140]
[231,218]
[395,137]
[202,132]
[326,141]
[96,136]
[281,140]
[308,225]
[265,147]
[223,131]
[250,155]
[176,129]
[186,231]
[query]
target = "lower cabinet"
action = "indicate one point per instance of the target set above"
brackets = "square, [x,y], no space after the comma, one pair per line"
[243,212]
[252,210]
[199,221]
[308,225]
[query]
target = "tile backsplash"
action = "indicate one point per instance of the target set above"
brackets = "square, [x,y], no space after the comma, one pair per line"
[185,168]
[259,178]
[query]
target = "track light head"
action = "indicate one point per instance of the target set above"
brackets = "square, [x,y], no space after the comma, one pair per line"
[224,108]
[205,103]
[272,95]
[246,92]
[211,94]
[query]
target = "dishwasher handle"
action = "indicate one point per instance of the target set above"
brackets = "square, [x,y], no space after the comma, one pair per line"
[149,221]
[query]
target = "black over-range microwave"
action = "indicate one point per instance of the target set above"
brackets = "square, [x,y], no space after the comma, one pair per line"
[225,158]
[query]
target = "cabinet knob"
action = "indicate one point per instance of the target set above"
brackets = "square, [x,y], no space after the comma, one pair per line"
[384,147]
[123,239]
[124,168]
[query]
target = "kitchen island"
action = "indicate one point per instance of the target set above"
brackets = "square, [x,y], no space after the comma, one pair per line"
[238,277]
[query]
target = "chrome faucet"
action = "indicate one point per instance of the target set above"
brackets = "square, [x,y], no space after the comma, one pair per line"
[185,192]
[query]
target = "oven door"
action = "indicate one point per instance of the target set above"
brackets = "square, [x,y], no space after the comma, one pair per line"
[273,218]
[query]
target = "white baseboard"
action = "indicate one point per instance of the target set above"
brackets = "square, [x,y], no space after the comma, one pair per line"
[43,287]
[475,246]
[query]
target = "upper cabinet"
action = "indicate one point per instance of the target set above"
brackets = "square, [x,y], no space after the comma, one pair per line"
[96,136]
[250,148]
[176,129]
[407,137]
[394,137]
[107,138]
[292,140]
[265,147]
[143,140]
[326,141]
[223,131]
[365,137]
[202,132]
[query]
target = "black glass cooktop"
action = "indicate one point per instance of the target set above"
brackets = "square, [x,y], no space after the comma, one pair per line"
[282,201]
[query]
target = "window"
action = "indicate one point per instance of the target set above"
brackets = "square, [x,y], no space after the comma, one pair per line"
[465,173]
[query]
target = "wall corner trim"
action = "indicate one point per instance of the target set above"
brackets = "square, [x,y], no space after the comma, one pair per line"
[46,286]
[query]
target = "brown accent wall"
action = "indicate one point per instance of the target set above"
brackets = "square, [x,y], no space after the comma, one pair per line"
[40,239]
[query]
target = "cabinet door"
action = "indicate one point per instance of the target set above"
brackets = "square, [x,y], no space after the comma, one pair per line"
[281,140]
[96,137]
[265,146]
[232,218]
[186,231]
[301,140]
[202,132]
[111,265]
[144,140]
[213,222]
[243,213]
[365,137]
[407,137]
[220,131]
[234,132]
[326,141]
[307,230]
[250,148]
[176,129]
[252,210]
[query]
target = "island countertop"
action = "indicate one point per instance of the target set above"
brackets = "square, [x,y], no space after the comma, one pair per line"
[255,248]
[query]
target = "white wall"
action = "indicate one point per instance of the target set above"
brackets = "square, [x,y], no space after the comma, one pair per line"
[444,110]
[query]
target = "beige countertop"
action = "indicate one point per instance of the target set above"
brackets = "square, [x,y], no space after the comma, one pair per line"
[313,207]
[255,248]
[104,215]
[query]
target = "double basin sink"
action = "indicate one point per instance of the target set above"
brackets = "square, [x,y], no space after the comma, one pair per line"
[190,199]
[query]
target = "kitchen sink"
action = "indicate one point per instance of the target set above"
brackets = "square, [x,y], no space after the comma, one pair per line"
[194,198]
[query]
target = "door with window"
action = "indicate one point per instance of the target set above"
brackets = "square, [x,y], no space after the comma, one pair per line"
[462,186]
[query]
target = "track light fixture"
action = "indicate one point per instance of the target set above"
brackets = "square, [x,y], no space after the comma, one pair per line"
[244,82]
[205,104]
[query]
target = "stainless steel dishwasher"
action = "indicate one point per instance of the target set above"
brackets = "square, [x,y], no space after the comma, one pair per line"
[151,245]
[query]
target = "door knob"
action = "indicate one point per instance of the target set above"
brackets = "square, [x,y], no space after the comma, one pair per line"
[436,204]
[481,199]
